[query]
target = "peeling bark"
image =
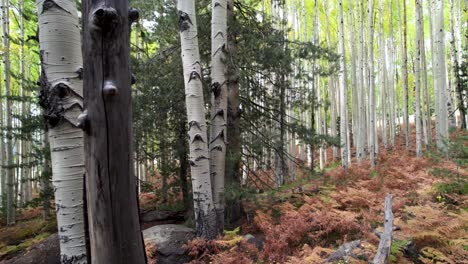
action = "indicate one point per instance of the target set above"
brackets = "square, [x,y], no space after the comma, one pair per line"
[61,97]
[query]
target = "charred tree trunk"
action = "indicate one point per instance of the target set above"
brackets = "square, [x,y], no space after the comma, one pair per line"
[115,235]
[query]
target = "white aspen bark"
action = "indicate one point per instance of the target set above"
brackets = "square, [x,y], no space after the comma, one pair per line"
[331,86]
[404,74]
[372,126]
[427,123]
[219,95]
[343,91]
[383,77]
[433,60]
[61,58]
[417,70]
[352,48]
[360,146]
[205,214]
[391,86]
[440,76]
[10,176]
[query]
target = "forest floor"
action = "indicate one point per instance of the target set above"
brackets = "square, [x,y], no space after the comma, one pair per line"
[306,221]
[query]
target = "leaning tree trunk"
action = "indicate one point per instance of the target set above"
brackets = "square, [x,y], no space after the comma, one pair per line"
[205,214]
[62,98]
[343,92]
[219,103]
[115,235]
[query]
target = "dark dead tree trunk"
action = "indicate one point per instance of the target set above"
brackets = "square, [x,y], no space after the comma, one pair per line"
[115,235]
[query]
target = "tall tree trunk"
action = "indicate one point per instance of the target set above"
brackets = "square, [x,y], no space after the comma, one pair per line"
[62,98]
[331,86]
[440,78]
[10,176]
[372,136]
[233,161]
[456,68]
[343,91]
[205,214]
[417,71]
[391,79]
[115,235]
[233,152]
[383,76]
[219,101]
[360,146]
[404,59]
[424,81]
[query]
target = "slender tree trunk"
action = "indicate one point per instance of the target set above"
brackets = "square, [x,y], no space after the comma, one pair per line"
[183,161]
[219,101]
[10,175]
[343,91]
[417,70]
[456,68]
[404,59]
[233,161]
[360,146]
[424,82]
[372,136]
[355,101]
[440,78]
[115,234]
[391,79]
[205,214]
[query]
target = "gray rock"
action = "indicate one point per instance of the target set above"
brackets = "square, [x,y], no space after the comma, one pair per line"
[169,240]
[45,252]
[254,241]
[155,216]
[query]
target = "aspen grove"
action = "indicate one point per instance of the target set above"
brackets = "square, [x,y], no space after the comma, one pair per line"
[233,131]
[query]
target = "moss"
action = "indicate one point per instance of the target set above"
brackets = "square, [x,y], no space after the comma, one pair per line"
[13,249]
[453,187]
[373,174]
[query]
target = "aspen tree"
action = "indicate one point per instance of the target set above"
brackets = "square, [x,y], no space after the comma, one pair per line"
[404,58]
[205,214]
[219,103]
[62,98]
[360,145]
[343,91]
[440,77]
[417,71]
[8,124]
[427,123]
[372,126]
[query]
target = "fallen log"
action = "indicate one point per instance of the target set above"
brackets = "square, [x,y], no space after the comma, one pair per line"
[343,251]
[383,251]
